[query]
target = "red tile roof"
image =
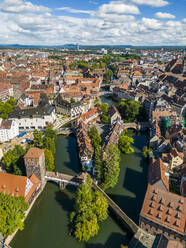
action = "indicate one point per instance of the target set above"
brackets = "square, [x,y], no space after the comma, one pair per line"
[165,208]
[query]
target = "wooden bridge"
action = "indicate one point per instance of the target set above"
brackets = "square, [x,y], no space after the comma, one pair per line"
[64,179]
[132,226]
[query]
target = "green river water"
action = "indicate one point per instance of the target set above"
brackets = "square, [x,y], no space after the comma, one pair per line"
[47,225]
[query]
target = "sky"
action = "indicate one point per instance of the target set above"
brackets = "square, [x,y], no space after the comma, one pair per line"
[93,22]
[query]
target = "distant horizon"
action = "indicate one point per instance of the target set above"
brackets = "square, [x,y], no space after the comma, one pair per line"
[89,45]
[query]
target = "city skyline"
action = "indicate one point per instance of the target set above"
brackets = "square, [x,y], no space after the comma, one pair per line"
[124,22]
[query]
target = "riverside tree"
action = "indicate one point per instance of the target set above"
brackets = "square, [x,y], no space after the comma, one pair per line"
[111,166]
[98,163]
[49,143]
[95,136]
[146,152]
[90,207]
[11,213]
[129,110]
[49,160]
[125,144]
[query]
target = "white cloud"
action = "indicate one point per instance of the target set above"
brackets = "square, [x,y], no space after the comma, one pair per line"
[71,10]
[154,3]
[107,25]
[16,6]
[118,8]
[164,15]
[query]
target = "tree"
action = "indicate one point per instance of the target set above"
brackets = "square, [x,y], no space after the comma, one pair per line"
[38,138]
[105,119]
[146,152]
[90,207]
[95,136]
[50,132]
[6,108]
[13,159]
[129,110]
[100,206]
[104,107]
[49,160]
[125,144]
[11,213]
[108,76]
[49,143]
[111,166]
[98,164]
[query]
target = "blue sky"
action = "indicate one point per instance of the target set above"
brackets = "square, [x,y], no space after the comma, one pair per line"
[56,22]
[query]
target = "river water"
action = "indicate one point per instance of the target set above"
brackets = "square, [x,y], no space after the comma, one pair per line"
[47,225]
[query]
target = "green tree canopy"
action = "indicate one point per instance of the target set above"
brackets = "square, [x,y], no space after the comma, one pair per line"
[146,152]
[98,163]
[108,76]
[49,160]
[129,110]
[125,144]
[12,211]
[49,143]
[50,132]
[90,207]
[111,166]
[95,136]
[6,108]
[38,138]
[105,119]
[13,159]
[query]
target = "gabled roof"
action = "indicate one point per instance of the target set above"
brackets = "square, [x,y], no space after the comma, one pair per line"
[18,185]
[156,173]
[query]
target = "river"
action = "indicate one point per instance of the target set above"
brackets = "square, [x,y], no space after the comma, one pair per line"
[47,225]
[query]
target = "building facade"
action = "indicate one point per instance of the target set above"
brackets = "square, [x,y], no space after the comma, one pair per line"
[8,130]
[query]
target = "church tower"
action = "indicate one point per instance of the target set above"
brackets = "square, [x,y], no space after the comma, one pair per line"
[35,164]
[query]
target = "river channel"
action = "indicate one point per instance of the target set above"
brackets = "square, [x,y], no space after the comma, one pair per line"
[47,225]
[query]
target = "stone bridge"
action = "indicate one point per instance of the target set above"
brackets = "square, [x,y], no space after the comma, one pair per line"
[130,224]
[64,179]
[136,126]
[65,131]
[103,93]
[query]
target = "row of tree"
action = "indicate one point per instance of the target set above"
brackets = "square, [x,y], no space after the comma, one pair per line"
[106,163]
[46,141]
[90,208]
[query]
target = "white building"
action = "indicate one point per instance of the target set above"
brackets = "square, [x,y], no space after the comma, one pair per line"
[8,130]
[34,118]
